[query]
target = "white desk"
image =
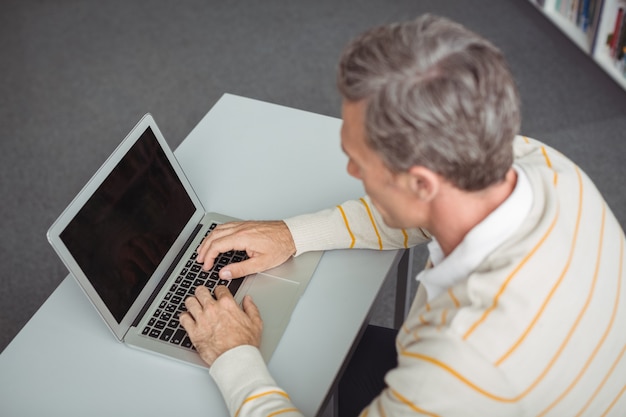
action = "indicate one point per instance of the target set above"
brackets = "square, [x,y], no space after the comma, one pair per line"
[66,362]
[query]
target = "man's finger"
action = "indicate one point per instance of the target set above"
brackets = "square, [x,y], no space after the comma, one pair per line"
[193,306]
[244,268]
[210,249]
[186,320]
[205,255]
[252,310]
[203,295]
[221,291]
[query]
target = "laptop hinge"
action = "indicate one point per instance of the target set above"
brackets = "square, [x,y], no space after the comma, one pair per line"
[166,276]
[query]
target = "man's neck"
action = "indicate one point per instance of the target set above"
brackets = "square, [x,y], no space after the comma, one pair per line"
[455,212]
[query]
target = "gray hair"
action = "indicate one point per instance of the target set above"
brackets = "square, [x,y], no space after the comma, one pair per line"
[438,96]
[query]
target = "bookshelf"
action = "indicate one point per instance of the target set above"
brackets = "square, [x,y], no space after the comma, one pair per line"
[589,24]
[608,58]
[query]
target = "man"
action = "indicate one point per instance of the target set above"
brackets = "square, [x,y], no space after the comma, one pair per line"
[521,311]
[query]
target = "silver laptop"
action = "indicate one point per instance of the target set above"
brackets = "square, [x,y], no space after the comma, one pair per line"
[130,237]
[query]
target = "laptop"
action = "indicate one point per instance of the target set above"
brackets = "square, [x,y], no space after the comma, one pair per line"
[129,238]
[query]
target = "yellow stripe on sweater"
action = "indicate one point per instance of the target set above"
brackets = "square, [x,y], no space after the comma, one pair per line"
[369,213]
[254,397]
[545,155]
[406,239]
[345,220]
[286,410]
[411,405]
[617,397]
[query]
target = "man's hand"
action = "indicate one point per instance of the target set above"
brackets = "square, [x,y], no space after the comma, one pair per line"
[267,243]
[215,326]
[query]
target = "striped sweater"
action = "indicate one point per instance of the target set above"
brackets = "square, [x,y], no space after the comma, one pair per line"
[537,329]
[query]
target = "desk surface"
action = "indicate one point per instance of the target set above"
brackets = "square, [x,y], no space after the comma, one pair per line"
[282,162]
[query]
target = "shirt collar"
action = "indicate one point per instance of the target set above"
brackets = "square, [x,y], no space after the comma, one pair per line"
[483,239]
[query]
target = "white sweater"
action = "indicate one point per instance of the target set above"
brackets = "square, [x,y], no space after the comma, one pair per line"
[538,328]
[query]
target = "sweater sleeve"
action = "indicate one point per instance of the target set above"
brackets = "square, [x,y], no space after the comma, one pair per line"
[354,224]
[247,386]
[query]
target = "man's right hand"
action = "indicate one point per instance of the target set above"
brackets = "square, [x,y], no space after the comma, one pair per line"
[267,243]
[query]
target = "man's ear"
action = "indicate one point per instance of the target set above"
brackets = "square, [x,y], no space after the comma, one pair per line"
[423,182]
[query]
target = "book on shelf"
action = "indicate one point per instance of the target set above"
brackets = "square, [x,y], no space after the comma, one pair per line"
[616,39]
[620,46]
[580,12]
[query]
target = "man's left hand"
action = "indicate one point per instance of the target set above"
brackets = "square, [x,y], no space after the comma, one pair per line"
[217,325]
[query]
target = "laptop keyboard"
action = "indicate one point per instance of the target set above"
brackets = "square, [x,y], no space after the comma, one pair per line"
[164,324]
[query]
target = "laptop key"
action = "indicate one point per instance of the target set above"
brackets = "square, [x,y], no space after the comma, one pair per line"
[166,335]
[187,342]
[178,337]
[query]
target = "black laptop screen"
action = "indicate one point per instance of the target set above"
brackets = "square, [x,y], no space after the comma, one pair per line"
[124,230]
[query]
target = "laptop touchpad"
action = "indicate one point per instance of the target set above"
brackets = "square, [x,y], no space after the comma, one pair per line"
[275,298]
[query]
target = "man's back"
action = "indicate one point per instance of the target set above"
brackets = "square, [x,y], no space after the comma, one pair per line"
[537,329]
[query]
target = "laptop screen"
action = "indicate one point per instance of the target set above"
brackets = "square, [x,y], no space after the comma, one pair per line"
[127,226]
